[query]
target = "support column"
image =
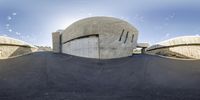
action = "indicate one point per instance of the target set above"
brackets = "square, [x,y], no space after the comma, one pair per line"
[56,42]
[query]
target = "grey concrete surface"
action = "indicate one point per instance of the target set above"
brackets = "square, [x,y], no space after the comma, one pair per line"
[56,42]
[10,47]
[85,47]
[53,76]
[187,47]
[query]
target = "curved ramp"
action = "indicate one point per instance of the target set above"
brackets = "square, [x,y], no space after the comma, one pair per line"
[186,47]
[10,47]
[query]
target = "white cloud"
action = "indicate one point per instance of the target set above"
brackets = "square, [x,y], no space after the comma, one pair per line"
[14,13]
[10,30]
[17,33]
[7,25]
[9,18]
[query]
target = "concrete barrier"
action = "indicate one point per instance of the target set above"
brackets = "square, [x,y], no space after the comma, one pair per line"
[187,47]
[10,47]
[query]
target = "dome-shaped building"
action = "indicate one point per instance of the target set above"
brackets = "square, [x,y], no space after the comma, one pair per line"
[10,47]
[182,47]
[97,37]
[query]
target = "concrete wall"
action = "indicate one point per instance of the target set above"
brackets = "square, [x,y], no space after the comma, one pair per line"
[84,47]
[12,51]
[183,40]
[56,42]
[188,52]
[182,47]
[10,47]
[12,41]
[117,38]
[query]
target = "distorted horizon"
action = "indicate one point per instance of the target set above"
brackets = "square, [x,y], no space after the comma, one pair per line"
[33,21]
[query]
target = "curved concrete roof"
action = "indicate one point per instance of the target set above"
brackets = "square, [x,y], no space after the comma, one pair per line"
[183,40]
[11,41]
[96,25]
[116,38]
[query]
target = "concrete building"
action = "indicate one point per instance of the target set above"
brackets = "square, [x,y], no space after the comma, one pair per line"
[10,47]
[182,47]
[97,37]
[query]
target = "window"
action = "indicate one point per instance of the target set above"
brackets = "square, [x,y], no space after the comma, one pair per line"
[121,35]
[132,38]
[126,37]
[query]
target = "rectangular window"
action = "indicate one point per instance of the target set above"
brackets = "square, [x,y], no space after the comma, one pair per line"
[126,37]
[120,38]
[132,38]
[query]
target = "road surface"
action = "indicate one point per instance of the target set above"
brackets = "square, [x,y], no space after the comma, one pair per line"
[50,76]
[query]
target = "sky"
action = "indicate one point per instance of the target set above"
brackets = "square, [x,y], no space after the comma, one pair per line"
[34,21]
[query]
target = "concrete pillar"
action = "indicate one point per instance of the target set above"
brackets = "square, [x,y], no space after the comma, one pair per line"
[143,50]
[143,46]
[56,42]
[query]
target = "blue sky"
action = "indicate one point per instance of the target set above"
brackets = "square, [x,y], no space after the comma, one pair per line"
[33,21]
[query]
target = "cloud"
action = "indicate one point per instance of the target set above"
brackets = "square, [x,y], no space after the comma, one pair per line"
[7,25]
[10,30]
[14,13]
[9,18]
[17,33]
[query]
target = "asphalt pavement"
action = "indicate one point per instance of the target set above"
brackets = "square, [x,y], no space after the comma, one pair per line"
[51,76]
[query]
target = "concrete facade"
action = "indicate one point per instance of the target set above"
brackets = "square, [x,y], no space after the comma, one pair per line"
[56,42]
[115,38]
[84,47]
[10,47]
[182,47]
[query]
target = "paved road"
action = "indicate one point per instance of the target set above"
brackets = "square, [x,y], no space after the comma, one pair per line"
[49,76]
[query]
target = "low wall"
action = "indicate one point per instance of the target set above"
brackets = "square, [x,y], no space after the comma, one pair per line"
[12,51]
[187,51]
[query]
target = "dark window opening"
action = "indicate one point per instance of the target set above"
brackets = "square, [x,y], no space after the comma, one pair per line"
[132,38]
[121,35]
[126,37]
[97,35]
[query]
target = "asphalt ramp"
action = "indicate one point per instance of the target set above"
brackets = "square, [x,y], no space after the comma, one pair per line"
[52,76]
